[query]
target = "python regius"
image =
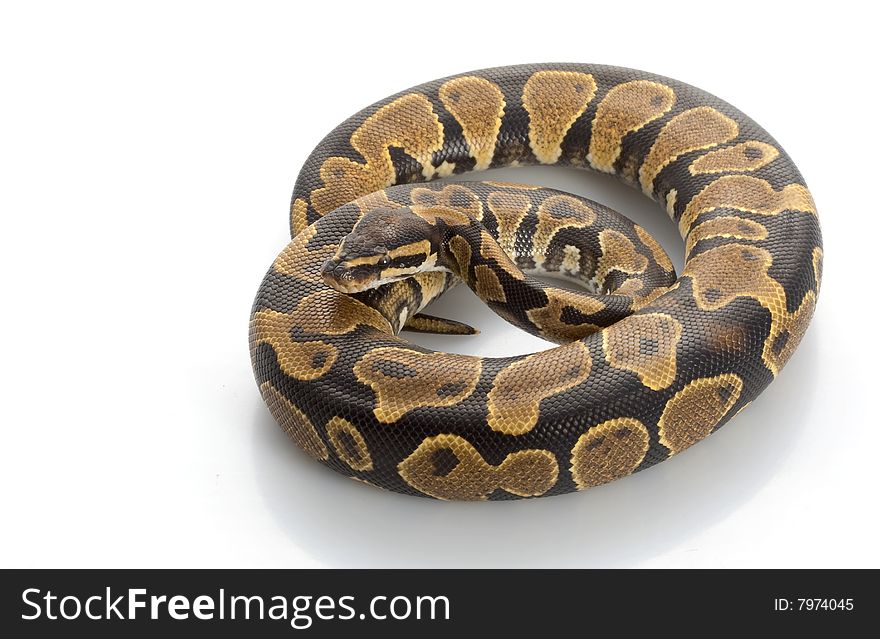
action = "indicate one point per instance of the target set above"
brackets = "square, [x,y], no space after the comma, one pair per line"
[648,364]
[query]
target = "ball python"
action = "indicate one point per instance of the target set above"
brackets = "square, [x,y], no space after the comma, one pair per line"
[648,363]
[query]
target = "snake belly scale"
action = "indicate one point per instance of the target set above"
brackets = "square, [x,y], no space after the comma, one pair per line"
[648,363]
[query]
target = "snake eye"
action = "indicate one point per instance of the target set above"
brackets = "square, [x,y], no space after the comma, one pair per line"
[384,261]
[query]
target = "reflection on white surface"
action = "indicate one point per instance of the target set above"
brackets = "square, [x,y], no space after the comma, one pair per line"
[344,523]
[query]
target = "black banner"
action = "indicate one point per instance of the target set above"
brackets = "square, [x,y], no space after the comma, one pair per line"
[432,603]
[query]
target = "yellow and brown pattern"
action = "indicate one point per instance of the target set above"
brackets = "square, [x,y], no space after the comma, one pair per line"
[608,451]
[404,380]
[657,252]
[449,467]
[818,256]
[461,253]
[509,209]
[554,100]
[729,271]
[695,410]
[341,314]
[787,332]
[727,226]
[349,444]
[554,214]
[300,258]
[302,360]
[745,156]
[294,422]
[478,105]
[460,202]
[663,361]
[618,254]
[408,123]
[698,128]
[746,193]
[562,305]
[299,210]
[517,392]
[626,108]
[487,286]
[647,345]
[489,250]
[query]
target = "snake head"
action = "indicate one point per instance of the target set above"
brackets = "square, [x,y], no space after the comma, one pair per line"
[385,246]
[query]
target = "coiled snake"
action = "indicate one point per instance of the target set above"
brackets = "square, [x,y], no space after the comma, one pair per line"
[649,364]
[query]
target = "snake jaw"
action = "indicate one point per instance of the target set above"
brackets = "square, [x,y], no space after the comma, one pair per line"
[345,278]
[338,275]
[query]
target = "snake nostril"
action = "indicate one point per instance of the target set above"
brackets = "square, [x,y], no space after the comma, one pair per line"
[329,266]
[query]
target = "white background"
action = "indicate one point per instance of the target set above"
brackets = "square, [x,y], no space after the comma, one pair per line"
[147,155]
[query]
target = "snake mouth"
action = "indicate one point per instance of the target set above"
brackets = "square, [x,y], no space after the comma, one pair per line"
[339,275]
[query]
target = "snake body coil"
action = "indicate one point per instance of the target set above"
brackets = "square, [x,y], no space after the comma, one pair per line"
[649,364]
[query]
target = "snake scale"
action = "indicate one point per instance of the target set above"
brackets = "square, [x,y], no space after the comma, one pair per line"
[648,363]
